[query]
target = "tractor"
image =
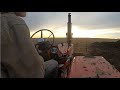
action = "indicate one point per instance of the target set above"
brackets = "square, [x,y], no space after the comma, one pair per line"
[61,52]
[71,66]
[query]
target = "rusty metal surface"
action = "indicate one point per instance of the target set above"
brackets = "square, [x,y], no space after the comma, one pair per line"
[96,67]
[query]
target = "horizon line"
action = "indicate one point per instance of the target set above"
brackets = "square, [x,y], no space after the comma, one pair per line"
[88,37]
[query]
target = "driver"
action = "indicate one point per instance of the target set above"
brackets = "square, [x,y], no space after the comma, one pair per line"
[19,58]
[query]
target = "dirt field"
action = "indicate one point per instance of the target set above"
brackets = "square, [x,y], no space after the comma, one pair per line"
[81,47]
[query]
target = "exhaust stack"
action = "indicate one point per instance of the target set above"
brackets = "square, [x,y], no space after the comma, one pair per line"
[69,34]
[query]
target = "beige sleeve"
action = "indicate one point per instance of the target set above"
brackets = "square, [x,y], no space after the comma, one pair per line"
[30,58]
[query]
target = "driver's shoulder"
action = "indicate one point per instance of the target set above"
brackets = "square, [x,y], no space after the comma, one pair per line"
[13,20]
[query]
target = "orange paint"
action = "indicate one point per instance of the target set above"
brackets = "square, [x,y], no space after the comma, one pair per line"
[92,68]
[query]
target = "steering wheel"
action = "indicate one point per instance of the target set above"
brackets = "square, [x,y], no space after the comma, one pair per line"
[43,47]
[47,37]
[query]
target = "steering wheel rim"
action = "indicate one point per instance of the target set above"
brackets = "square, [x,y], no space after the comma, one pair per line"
[41,34]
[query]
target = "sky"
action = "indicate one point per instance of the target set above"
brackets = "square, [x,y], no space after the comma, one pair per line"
[84,24]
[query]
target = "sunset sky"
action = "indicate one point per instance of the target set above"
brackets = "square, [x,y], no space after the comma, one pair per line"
[84,24]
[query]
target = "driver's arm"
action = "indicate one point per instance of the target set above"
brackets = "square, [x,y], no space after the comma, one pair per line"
[19,57]
[33,63]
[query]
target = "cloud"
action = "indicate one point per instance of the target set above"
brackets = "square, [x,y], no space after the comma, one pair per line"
[86,20]
[98,20]
[45,19]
